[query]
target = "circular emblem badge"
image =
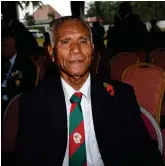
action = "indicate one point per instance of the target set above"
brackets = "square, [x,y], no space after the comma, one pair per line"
[77,137]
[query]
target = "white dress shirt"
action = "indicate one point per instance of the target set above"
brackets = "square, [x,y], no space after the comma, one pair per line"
[4,84]
[92,150]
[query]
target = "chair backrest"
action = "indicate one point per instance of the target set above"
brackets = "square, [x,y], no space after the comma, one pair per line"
[153,128]
[142,55]
[149,83]
[10,124]
[154,53]
[38,72]
[40,65]
[120,62]
[159,60]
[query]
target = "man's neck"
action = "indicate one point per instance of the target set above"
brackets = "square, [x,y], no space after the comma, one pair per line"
[75,82]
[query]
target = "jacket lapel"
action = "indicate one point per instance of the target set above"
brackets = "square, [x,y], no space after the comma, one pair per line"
[101,107]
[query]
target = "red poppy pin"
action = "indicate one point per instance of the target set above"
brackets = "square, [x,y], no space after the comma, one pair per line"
[109,88]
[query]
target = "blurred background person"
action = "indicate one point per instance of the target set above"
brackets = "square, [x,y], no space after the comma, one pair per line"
[154,26]
[18,71]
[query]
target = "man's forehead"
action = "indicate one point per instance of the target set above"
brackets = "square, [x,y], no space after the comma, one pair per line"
[72,25]
[72,22]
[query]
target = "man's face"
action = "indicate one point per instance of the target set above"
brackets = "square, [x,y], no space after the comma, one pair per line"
[73,48]
[8,47]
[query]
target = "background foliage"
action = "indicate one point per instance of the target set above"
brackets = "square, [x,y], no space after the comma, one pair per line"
[147,10]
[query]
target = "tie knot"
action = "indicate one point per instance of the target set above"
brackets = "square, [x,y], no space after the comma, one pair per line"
[76,97]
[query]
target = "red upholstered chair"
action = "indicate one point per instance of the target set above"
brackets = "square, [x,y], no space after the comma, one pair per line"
[154,53]
[10,125]
[38,72]
[40,65]
[152,128]
[142,55]
[159,60]
[149,83]
[120,62]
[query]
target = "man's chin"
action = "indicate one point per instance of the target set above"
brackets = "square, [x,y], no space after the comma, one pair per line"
[76,77]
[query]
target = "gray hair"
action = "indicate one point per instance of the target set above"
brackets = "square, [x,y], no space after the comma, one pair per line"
[58,22]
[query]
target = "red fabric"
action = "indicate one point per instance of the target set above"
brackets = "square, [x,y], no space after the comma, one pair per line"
[142,55]
[73,106]
[163,106]
[120,63]
[78,94]
[148,83]
[154,53]
[72,145]
[10,126]
[159,60]
[77,137]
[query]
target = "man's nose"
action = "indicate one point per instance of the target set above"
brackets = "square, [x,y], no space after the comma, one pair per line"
[75,48]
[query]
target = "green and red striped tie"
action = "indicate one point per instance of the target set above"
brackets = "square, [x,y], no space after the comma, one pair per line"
[77,149]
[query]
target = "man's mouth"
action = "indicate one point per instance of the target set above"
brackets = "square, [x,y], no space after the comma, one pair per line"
[76,61]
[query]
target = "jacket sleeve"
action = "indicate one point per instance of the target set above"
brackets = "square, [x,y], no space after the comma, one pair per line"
[28,148]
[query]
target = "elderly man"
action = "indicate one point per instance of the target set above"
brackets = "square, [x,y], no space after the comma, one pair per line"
[77,118]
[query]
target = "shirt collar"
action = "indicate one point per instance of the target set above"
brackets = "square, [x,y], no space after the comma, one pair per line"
[12,60]
[69,91]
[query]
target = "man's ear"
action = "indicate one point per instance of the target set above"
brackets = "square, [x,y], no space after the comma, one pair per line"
[93,46]
[93,51]
[50,49]
[51,52]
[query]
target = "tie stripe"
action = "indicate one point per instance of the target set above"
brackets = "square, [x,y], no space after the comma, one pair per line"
[73,106]
[74,146]
[75,118]
[77,149]
[77,158]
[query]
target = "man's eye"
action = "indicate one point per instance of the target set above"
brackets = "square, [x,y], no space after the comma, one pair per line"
[83,41]
[64,42]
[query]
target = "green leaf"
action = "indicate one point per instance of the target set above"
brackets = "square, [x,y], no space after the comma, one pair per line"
[105,84]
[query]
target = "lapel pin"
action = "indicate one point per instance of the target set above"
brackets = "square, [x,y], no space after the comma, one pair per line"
[109,88]
[17,82]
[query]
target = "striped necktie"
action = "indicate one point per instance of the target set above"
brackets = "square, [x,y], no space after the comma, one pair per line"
[77,149]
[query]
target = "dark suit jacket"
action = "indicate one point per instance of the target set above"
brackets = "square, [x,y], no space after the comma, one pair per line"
[26,75]
[121,136]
